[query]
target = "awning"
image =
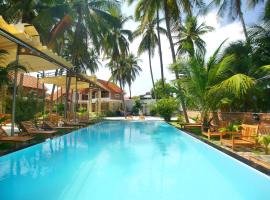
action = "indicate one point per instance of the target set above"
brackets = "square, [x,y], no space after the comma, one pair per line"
[33,61]
[84,83]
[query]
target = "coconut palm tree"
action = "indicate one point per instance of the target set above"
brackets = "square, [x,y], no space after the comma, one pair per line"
[131,70]
[115,45]
[233,8]
[189,37]
[149,42]
[145,12]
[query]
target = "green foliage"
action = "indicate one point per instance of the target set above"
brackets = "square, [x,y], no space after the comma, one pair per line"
[166,107]
[153,110]
[82,110]
[3,119]
[181,119]
[189,37]
[264,140]
[60,108]
[162,92]
[137,107]
[27,107]
[231,128]
[110,114]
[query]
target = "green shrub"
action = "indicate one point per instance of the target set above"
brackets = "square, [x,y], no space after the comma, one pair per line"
[110,114]
[137,107]
[27,107]
[264,140]
[181,119]
[166,107]
[153,110]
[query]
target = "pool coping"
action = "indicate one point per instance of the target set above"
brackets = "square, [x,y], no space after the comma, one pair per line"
[242,159]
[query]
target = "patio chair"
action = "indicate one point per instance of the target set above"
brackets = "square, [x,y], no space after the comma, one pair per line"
[5,138]
[141,117]
[31,129]
[71,123]
[214,132]
[247,137]
[53,126]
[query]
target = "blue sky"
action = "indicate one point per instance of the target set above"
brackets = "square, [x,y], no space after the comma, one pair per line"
[223,29]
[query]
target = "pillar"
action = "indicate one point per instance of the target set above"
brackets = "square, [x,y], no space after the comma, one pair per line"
[99,101]
[90,101]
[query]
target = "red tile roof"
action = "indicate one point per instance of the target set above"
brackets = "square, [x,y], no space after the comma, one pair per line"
[28,81]
[110,86]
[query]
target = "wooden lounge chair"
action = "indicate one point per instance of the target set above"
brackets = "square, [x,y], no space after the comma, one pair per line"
[31,129]
[53,126]
[141,117]
[213,131]
[247,137]
[129,117]
[191,125]
[5,138]
[70,123]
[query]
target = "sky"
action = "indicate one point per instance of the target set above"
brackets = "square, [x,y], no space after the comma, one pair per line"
[223,30]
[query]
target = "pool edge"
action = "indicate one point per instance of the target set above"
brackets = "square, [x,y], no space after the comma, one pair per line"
[237,157]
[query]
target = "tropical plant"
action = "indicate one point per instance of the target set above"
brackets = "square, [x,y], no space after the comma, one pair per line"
[233,8]
[264,140]
[166,107]
[207,83]
[149,42]
[132,70]
[162,91]
[137,107]
[189,36]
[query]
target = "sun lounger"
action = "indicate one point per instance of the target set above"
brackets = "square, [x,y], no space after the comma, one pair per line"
[30,128]
[5,138]
[247,137]
[53,126]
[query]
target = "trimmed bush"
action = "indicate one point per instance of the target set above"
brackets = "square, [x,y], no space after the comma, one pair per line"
[166,107]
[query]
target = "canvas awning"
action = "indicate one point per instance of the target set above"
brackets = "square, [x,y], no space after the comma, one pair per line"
[35,58]
[82,83]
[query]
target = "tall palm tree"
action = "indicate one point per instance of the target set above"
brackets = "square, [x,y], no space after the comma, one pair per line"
[131,71]
[189,36]
[145,12]
[149,42]
[115,45]
[234,10]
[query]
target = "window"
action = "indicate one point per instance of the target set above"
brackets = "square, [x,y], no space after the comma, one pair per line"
[117,95]
[104,94]
[84,97]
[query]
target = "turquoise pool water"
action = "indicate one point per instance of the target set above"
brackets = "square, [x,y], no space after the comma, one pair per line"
[128,161]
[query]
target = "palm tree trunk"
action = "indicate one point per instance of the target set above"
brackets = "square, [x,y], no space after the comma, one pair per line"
[52,93]
[160,51]
[122,96]
[167,20]
[243,25]
[151,71]
[238,4]
[129,87]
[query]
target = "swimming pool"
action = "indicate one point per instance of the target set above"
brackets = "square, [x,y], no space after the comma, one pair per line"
[123,160]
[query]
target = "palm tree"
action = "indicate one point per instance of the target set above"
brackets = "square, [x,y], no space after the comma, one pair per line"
[189,37]
[131,71]
[148,43]
[234,10]
[115,45]
[145,12]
